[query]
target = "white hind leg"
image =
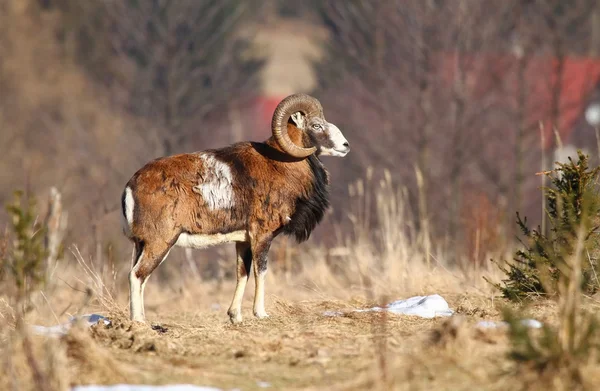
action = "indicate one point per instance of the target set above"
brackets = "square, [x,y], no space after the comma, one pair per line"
[136,295]
[150,256]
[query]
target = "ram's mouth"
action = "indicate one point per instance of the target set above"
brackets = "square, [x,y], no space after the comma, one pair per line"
[341,152]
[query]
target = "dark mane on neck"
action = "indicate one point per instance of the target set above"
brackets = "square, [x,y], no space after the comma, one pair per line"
[310,209]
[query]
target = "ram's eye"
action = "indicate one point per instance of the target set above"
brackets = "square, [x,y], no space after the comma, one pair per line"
[317,127]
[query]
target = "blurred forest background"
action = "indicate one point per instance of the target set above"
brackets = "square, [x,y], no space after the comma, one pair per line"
[463,101]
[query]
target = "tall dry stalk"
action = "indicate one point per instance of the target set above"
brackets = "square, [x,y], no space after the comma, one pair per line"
[423,216]
[56,226]
[543,164]
[388,254]
[96,287]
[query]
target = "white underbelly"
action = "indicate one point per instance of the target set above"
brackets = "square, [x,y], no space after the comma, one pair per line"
[203,241]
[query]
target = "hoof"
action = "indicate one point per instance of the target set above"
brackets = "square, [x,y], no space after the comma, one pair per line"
[234,316]
[261,314]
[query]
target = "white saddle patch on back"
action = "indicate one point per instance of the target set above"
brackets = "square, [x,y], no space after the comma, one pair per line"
[216,183]
[203,241]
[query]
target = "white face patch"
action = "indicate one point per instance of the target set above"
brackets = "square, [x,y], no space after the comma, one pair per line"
[216,187]
[340,144]
[128,206]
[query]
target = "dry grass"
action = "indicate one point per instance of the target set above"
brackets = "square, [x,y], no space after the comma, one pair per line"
[298,347]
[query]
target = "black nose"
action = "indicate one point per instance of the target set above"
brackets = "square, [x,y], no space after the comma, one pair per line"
[346,144]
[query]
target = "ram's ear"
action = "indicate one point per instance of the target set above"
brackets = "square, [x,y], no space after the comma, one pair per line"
[298,119]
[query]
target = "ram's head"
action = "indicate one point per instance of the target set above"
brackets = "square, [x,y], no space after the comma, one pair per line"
[318,136]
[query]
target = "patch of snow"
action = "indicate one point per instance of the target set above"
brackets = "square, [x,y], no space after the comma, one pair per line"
[62,329]
[423,306]
[51,331]
[141,387]
[488,324]
[263,384]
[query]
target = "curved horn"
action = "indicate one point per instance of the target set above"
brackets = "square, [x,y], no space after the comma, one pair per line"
[306,104]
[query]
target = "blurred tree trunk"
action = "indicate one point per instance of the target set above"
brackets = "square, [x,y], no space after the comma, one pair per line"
[457,162]
[519,175]
[595,35]
[521,47]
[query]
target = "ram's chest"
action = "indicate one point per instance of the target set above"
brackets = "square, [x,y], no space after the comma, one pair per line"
[271,207]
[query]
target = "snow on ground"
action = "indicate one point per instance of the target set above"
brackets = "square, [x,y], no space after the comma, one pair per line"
[430,307]
[168,387]
[62,329]
[487,324]
[422,306]
[131,387]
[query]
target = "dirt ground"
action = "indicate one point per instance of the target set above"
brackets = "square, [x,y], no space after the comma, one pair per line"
[296,348]
[190,340]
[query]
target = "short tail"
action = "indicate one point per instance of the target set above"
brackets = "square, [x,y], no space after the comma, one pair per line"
[128,211]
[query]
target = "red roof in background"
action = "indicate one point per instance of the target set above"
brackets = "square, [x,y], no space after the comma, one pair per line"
[265,106]
[256,113]
[579,78]
[543,79]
